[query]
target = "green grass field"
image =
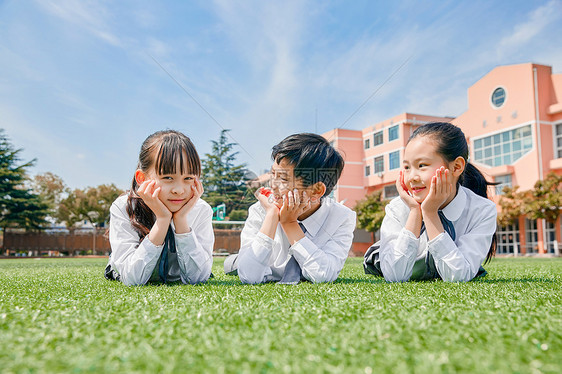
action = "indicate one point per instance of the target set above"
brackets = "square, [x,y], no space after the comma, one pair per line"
[61,315]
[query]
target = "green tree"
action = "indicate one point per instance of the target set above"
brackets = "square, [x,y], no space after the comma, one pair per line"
[90,204]
[545,200]
[370,211]
[69,209]
[19,206]
[97,202]
[224,180]
[51,189]
[512,205]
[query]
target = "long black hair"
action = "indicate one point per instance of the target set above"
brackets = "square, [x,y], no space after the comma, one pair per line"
[451,143]
[161,151]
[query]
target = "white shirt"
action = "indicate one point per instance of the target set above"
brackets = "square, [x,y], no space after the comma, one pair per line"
[402,255]
[321,254]
[135,261]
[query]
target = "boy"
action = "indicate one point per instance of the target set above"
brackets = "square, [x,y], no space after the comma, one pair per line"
[296,233]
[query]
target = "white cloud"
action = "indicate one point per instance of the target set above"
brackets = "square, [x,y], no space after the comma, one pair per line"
[92,16]
[526,31]
[259,68]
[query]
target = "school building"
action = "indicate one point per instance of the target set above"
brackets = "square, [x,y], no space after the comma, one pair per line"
[514,128]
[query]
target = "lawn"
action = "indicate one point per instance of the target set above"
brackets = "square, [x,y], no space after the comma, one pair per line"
[61,315]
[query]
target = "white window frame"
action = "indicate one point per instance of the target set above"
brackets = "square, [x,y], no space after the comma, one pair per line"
[511,243]
[375,171]
[391,153]
[531,235]
[557,137]
[397,127]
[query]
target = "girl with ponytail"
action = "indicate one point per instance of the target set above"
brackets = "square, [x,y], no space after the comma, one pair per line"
[161,230]
[442,225]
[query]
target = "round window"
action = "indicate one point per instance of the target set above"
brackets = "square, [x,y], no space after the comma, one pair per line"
[498,97]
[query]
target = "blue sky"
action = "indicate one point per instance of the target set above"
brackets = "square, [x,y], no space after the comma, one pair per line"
[81,86]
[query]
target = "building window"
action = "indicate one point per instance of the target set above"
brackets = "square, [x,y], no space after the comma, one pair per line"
[508,239]
[393,133]
[504,181]
[390,191]
[394,160]
[531,236]
[504,148]
[367,143]
[379,164]
[559,140]
[550,237]
[377,139]
[498,97]
[367,170]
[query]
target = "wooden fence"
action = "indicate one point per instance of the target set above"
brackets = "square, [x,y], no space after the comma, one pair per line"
[84,242]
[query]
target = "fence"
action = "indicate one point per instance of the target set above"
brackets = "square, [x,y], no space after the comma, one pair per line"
[85,242]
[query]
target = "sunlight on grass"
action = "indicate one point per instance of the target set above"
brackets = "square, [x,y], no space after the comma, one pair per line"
[62,315]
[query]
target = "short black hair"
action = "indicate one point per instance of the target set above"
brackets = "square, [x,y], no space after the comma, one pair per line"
[313,158]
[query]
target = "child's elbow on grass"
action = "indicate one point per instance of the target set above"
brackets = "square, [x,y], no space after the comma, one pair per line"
[131,282]
[249,280]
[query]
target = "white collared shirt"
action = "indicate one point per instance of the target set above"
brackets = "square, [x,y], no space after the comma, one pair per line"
[135,261]
[321,254]
[402,254]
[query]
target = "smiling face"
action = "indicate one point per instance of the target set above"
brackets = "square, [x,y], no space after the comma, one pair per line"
[282,180]
[176,186]
[420,163]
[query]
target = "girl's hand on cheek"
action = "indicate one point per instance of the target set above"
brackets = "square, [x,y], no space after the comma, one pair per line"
[149,193]
[405,193]
[440,190]
[197,191]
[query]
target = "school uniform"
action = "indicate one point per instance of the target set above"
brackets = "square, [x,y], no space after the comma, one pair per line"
[321,254]
[135,262]
[403,256]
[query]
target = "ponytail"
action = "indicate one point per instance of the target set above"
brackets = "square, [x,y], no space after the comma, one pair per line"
[451,143]
[142,218]
[473,179]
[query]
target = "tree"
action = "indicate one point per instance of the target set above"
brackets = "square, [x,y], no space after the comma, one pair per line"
[223,180]
[545,200]
[512,205]
[51,189]
[370,211]
[19,206]
[97,202]
[69,210]
[91,204]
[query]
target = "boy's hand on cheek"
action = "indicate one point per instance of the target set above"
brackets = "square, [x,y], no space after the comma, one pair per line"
[265,197]
[149,193]
[294,206]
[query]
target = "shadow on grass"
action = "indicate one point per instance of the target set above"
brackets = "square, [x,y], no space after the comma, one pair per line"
[515,280]
[233,282]
[373,280]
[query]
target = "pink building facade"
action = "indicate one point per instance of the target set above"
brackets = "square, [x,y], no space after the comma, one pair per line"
[514,127]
